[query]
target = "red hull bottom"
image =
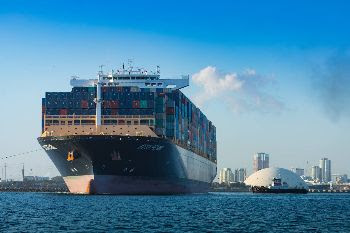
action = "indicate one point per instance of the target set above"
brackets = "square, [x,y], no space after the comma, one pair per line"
[108,184]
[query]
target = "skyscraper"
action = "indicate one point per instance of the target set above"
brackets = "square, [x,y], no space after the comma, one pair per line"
[240,175]
[325,166]
[261,161]
[298,171]
[316,173]
[225,176]
[236,175]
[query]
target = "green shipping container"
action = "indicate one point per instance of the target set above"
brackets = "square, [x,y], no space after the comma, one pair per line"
[160,123]
[143,104]
[91,89]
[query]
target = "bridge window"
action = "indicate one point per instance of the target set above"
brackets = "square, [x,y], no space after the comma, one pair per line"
[87,122]
[143,122]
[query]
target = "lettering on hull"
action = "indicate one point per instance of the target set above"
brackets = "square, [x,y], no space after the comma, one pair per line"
[150,147]
[49,147]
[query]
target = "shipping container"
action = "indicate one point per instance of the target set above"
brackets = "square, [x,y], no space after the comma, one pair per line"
[175,116]
[136,104]
[84,104]
[63,111]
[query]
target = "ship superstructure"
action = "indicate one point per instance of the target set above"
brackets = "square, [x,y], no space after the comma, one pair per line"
[129,132]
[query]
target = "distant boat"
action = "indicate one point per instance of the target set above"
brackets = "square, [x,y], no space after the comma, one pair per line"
[277,187]
[276,180]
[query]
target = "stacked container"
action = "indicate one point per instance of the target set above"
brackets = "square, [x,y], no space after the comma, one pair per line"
[176,117]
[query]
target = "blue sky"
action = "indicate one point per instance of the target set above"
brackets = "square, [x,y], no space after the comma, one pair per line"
[288,45]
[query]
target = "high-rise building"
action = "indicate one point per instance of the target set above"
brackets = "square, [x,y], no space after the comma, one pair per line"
[325,166]
[316,173]
[298,171]
[225,176]
[240,175]
[261,161]
[236,176]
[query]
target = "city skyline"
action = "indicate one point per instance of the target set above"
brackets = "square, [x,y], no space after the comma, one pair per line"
[227,176]
[271,78]
[319,174]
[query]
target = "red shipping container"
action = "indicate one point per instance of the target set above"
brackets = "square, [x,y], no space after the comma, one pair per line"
[170,110]
[136,104]
[63,111]
[114,104]
[114,112]
[84,104]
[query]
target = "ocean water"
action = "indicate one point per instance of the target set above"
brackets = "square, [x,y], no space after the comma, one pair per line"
[214,212]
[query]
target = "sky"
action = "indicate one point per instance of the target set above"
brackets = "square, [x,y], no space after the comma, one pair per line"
[272,76]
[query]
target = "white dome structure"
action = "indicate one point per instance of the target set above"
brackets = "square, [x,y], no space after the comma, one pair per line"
[264,178]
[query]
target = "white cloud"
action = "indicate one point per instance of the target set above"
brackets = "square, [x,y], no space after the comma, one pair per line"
[213,85]
[241,92]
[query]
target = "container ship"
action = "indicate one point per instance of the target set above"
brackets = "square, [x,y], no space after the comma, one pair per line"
[129,132]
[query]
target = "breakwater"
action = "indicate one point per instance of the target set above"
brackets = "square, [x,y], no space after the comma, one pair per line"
[33,186]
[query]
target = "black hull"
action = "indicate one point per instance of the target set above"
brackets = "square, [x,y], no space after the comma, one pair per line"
[268,190]
[128,165]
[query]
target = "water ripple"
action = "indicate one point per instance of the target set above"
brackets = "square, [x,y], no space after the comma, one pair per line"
[218,212]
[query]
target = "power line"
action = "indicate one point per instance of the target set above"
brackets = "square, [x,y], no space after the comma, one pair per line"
[23,153]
